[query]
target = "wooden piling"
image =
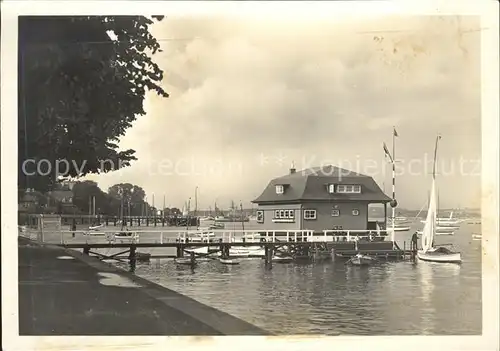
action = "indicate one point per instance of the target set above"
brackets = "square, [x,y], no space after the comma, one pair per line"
[180,251]
[269,256]
[132,254]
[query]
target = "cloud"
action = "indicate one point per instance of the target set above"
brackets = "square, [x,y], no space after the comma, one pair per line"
[319,89]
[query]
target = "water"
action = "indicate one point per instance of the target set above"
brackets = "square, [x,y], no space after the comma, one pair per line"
[399,298]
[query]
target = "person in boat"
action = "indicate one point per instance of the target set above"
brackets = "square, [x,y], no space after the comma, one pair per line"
[414,240]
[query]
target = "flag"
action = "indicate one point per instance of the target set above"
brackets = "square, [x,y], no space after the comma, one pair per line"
[387,153]
[395,133]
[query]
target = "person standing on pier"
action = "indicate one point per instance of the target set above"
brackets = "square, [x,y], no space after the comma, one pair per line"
[414,240]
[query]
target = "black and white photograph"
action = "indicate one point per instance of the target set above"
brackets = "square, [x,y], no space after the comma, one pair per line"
[327,170]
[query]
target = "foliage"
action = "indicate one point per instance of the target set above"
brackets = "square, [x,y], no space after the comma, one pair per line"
[174,211]
[79,91]
[83,193]
[110,203]
[133,198]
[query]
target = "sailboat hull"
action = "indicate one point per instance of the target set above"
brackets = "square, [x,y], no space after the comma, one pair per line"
[399,229]
[431,256]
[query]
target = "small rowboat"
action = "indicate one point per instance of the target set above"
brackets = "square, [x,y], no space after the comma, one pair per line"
[477,236]
[282,259]
[361,260]
[230,261]
[184,261]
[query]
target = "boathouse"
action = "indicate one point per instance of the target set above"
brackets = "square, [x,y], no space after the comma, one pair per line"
[320,198]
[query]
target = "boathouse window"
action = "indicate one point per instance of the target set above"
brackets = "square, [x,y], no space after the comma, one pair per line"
[343,188]
[335,213]
[260,216]
[309,214]
[283,214]
[280,189]
[355,212]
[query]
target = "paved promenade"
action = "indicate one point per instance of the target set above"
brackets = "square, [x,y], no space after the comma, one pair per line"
[63,292]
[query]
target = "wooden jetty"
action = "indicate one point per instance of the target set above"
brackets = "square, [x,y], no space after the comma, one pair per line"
[299,244]
[115,221]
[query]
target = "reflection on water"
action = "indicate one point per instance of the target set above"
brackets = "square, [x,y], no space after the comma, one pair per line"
[331,298]
[427,288]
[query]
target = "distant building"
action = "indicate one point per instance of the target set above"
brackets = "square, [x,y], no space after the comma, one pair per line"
[319,199]
[61,200]
[29,201]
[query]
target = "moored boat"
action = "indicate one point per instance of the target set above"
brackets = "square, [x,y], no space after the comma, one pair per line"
[198,250]
[126,236]
[185,261]
[282,259]
[361,260]
[440,254]
[398,228]
[229,261]
[216,226]
[430,252]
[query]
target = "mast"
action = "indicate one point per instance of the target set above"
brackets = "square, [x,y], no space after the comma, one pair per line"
[196,206]
[93,205]
[187,219]
[163,209]
[394,204]
[121,209]
[154,209]
[196,201]
[242,221]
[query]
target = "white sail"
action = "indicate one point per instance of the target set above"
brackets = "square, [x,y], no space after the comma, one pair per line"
[429,252]
[430,222]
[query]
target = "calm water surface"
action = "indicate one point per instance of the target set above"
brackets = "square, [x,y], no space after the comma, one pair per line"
[330,298]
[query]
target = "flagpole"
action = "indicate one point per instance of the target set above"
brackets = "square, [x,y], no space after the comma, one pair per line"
[394,202]
[163,209]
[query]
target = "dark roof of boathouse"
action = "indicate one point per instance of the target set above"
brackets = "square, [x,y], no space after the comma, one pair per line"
[311,185]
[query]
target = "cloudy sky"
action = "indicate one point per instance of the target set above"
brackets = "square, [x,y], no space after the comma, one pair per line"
[249,96]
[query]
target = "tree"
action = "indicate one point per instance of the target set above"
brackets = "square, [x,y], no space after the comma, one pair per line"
[133,197]
[83,192]
[174,211]
[79,91]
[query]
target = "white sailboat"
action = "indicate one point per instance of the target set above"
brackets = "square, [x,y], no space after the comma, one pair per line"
[448,222]
[476,236]
[430,252]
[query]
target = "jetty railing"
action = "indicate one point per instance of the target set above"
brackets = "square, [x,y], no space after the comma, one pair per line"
[58,235]
[354,235]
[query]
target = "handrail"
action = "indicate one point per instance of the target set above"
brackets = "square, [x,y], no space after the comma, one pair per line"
[226,235]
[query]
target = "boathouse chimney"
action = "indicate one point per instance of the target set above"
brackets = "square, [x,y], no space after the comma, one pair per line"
[292,168]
